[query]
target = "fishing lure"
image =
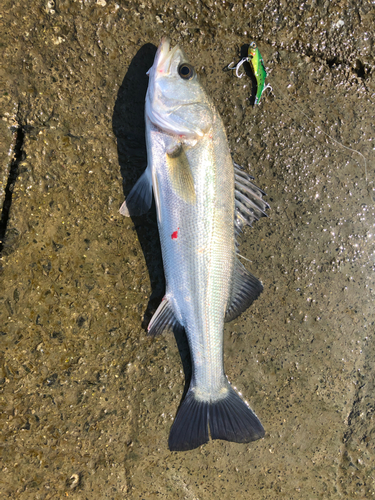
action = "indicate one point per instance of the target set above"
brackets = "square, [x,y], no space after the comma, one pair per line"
[255,59]
[257,64]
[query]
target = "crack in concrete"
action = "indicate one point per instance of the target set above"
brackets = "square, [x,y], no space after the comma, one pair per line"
[18,156]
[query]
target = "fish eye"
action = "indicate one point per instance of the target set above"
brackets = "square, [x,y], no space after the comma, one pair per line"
[186,71]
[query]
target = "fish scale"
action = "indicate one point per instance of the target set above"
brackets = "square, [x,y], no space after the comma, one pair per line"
[191,173]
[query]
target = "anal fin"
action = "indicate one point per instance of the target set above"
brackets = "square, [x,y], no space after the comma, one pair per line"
[163,319]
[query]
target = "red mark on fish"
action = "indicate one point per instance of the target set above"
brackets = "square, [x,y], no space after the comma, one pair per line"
[174,235]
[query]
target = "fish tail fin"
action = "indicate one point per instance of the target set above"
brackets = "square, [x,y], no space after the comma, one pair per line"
[232,419]
[190,427]
[228,418]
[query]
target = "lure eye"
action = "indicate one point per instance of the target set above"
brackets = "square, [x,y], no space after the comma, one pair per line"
[253,45]
[186,71]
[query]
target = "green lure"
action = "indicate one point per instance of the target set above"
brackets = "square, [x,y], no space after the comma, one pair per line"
[256,61]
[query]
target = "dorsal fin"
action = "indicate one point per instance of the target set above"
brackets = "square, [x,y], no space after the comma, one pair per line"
[245,289]
[249,204]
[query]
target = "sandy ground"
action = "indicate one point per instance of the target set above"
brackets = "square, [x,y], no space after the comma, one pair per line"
[87,399]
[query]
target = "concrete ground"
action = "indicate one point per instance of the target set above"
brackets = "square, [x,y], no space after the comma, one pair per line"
[87,399]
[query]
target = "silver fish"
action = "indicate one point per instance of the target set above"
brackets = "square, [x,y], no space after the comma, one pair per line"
[202,202]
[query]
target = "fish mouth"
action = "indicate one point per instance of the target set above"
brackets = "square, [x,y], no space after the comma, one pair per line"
[163,58]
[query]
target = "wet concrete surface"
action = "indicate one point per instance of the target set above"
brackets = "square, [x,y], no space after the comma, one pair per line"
[87,399]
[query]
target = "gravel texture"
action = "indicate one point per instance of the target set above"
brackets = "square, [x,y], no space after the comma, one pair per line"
[87,399]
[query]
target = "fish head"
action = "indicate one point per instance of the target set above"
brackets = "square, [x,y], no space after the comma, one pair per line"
[176,103]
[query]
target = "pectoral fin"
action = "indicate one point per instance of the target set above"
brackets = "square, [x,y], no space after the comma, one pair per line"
[139,200]
[180,173]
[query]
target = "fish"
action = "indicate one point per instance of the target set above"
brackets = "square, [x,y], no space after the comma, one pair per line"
[203,200]
[257,65]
